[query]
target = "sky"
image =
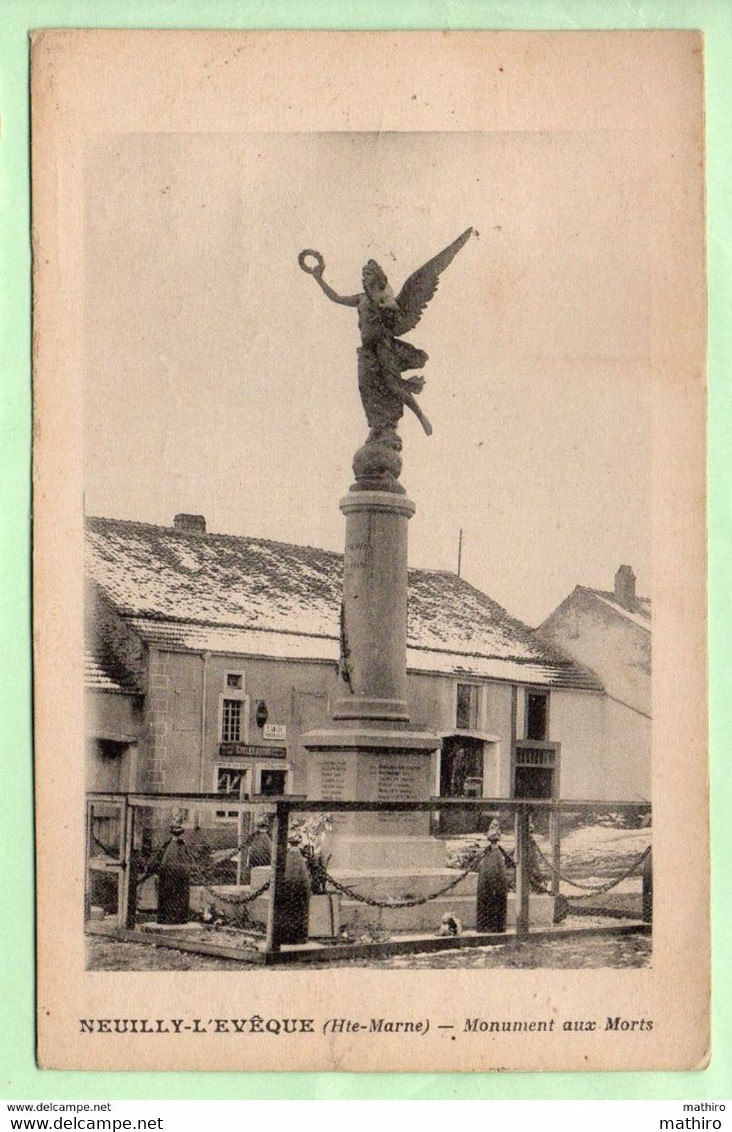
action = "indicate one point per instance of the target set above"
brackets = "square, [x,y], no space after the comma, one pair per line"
[220,380]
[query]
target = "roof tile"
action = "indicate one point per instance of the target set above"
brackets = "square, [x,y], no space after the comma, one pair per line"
[101,677]
[239,594]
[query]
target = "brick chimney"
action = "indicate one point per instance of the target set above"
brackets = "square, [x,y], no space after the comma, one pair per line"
[625,587]
[193,524]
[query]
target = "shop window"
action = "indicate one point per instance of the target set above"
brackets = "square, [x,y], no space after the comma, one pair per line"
[466,711]
[273,782]
[535,770]
[230,781]
[537,715]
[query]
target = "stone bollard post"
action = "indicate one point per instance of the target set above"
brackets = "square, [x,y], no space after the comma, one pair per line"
[174,881]
[492,887]
[647,897]
[293,905]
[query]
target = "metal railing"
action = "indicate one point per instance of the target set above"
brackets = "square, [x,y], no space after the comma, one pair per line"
[283,807]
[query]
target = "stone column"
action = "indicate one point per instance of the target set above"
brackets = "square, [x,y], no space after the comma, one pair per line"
[371,753]
[374,611]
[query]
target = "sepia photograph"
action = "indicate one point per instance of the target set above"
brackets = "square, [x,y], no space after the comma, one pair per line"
[236,649]
[364,442]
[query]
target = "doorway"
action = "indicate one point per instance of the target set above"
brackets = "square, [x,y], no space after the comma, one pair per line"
[461,776]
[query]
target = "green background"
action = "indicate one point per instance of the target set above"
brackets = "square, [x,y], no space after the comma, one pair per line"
[19,1076]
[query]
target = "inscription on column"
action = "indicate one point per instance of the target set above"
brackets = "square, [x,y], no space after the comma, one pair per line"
[357,553]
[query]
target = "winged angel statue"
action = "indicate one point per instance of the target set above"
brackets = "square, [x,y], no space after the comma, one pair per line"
[383,356]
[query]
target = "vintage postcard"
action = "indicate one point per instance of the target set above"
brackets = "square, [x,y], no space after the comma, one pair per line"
[370,678]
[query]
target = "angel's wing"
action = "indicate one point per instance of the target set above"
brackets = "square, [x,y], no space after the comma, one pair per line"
[421,286]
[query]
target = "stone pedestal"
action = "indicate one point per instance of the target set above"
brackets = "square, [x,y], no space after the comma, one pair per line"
[368,764]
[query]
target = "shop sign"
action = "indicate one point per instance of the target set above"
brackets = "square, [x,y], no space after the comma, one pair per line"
[249,751]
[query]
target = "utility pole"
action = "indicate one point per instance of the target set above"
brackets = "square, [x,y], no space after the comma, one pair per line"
[460,551]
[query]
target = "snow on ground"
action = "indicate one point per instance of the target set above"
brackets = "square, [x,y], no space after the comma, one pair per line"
[599,844]
[591,854]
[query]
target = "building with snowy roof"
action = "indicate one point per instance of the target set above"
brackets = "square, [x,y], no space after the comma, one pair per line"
[210,655]
[609,632]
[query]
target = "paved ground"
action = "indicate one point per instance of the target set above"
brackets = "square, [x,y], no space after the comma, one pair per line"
[589,951]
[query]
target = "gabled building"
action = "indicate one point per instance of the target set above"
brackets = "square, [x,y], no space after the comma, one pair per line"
[210,655]
[609,632]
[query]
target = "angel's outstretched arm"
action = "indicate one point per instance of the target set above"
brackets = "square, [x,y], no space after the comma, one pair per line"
[345,300]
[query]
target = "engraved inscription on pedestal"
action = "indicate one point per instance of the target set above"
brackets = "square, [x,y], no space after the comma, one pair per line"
[398,781]
[401,780]
[335,780]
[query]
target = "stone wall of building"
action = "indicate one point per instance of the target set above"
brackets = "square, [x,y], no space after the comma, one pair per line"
[158,723]
[182,748]
[117,721]
[613,646]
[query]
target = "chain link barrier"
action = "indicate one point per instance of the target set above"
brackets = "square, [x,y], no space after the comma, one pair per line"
[473,865]
[152,863]
[200,880]
[414,903]
[234,901]
[107,850]
[239,849]
[591,889]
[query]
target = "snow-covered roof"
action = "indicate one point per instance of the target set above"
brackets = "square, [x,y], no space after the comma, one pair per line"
[241,595]
[101,676]
[639,613]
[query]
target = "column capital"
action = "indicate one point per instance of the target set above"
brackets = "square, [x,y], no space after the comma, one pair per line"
[381,501]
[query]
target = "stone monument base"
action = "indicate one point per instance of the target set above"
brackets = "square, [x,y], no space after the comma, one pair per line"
[409,884]
[383,854]
[374,765]
[372,854]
